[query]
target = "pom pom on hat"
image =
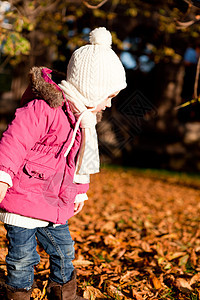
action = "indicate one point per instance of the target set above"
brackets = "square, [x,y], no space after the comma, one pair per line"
[101,36]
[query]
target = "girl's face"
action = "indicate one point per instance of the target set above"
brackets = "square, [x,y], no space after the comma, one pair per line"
[105,103]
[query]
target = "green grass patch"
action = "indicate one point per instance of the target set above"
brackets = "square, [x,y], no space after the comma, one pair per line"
[182,178]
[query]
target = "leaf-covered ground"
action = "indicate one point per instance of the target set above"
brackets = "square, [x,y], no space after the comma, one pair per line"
[138,237]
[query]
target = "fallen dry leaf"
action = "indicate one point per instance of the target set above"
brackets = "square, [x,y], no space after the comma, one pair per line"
[175,255]
[128,275]
[193,258]
[183,285]
[92,293]
[115,293]
[82,262]
[111,240]
[136,295]
[155,282]
[195,278]
[36,294]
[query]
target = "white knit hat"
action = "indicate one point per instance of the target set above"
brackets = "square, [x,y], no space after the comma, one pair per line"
[94,71]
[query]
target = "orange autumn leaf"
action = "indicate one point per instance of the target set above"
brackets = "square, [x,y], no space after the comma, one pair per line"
[92,293]
[155,282]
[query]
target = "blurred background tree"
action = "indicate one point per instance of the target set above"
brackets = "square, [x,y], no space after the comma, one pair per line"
[42,32]
[149,36]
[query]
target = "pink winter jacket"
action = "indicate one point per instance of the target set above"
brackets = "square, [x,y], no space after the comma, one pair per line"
[32,152]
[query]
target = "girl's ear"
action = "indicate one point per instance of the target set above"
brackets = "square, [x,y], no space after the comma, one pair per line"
[99,116]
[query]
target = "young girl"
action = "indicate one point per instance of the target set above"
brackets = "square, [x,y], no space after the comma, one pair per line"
[46,157]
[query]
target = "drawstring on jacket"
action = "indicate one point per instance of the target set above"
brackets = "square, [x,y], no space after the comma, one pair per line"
[76,129]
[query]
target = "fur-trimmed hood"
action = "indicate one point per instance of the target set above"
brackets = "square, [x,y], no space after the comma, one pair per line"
[43,85]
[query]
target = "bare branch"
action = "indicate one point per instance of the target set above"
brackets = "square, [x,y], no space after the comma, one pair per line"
[6,26]
[188,2]
[184,24]
[20,9]
[197,79]
[188,23]
[45,9]
[94,6]
[5,62]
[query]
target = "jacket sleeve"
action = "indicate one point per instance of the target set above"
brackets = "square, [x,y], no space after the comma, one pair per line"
[82,188]
[29,125]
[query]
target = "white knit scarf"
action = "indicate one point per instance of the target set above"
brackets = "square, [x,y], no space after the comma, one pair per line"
[88,157]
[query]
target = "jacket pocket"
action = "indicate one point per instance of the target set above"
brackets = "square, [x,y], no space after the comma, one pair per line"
[35,177]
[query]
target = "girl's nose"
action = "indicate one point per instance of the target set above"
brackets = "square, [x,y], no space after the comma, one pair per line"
[108,104]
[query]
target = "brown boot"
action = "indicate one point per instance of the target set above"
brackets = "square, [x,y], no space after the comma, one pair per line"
[67,291]
[17,294]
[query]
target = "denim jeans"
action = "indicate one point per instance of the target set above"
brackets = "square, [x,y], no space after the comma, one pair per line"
[22,255]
